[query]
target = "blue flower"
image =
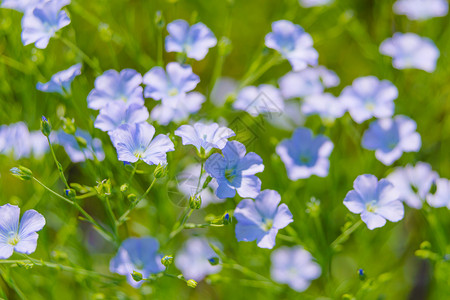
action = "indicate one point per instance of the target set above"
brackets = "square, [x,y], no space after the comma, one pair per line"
[193,259]
[171,86]
[20,238]
[376,201]
[293,43]
[391,137]
[39,144]
[15,139]
[61,81]
[409,50]
[312,3]
[195,40]
[421,9]
[307,82]
[264,99]
[135,142]
[325,105]
[235,171]
[117,113]
[20,5]
[184,106]
[305,155]
[413,183]
[41,23]
[442,195]
[137,254]
[294,266]
[261,219]
[369,97]
[76,153]
[204,136]
[113,86]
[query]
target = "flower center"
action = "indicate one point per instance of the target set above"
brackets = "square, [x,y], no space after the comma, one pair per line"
[371,206]
[370,106]
[230,174]
[13,239]
[138,154]
[268,224]
[173,92]
[304,159]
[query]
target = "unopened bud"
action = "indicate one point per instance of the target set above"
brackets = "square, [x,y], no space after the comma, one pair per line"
[136,276]
[207,181]
[103,188]
[70,193]
[195,202]
[131,198]
[214,261]
[361,274]
[46,128]
[69,126]
[81,142]
[124,187]
[159,20]
[167,260]
[226,219]
[160,171]
[191,283]
[22,173]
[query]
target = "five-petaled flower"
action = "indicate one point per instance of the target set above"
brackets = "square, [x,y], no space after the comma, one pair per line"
[264,99]
[305,155]
[113,86]
[261,219]
[293,43]
[61,81]
[171,85]
[20,238]
[441,196]
[137,255]
[204,136]
[421,9]
[235,171]
[184,106]
[391,137]
[118,113]
[294,266]
[369,97]
[194,40]
[408,50]
[135,142]
[376,201]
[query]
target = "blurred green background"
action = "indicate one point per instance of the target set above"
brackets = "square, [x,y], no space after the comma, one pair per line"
[122,34]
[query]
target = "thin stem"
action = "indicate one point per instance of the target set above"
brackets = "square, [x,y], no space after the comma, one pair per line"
[112,217]
[94,65]
[345,235]
[58,164]
[123,217]
[193,226]
[274,60]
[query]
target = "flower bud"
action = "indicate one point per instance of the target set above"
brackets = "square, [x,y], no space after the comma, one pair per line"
[224,46]
[214,261]
[207,181]
[69,126]
[46,128]
[361,274]
[136,276]
[103,188]
[22,173]
[70,193]
[159,20]
[191,283]
[131,198]
[167,260]
[81,142]
[195,202]
[124,187]
[160,171]
[226,219]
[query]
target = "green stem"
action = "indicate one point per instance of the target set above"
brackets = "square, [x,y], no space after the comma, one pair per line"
[58,164]
[345,235]
[123,217]
[94,65]
[253,76]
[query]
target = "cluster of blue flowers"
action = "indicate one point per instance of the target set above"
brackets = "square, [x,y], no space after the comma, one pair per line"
[227,170]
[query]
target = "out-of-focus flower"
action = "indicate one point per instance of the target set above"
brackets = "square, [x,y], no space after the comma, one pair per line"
[20,5]
[235,171]
[369,97]
[137,255]
[413,183]
[307,82]
[204,136]
[171,86]
[61,81]
[135,142]
[421,9]
[118,113]
[391,137]
[294,266]
[15,139]
[291,117]
[376,201]
[441,197]
[293,43]
[327,106]
[305,155]
[188,181]
[77,152]
[193,40]
[312,3]
[20,238]
[41,23]
[408,50]
[264,99]
[224,88]
[113,86]
[193,259]
[261,219]
[185,105]
[39,144]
